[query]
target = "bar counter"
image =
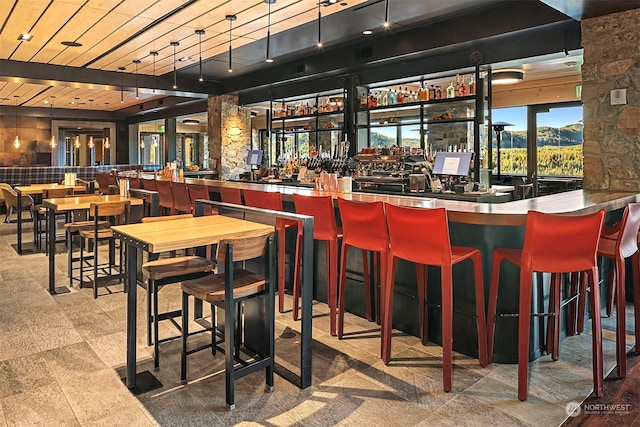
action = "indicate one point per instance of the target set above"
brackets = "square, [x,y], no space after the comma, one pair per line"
[484,226]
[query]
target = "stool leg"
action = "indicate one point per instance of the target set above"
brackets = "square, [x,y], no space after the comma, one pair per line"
[480,313]
[524,322]
[596,333]
[185,334]
[332,271]
[149,312]
[341,290]
[493,303]
[387,312]
[550,341]
[556,318]
[611,289]
[571,322]
[422,306]
[156,334]
[367,283]
[296,276]
[621,328]
[635,259]
[447,327]
[382,262]
[281,268]
[582,298]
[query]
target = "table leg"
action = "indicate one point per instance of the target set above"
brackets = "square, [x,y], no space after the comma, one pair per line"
[132,296]
[19,213]
[52,251]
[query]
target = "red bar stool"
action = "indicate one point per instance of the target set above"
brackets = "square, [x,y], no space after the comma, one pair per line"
[273,200]
[201,192]
[422,236]
[618,246]
[363,227]
[166,198]
[149,184]
[231,195]
[324,228]
[552,244]
[181,199]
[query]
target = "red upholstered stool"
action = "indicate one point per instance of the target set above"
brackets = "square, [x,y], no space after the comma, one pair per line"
[273,200]
[619,246]
[324,228]
[181,199]
[553,244]
[364,227]
[166,198]
[231,195]
[422,236]
[201,192]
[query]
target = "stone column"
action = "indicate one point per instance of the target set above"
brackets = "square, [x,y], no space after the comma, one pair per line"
[229,130]
[611,132]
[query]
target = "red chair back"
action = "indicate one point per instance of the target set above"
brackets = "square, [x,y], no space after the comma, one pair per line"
[149,184]
[103,182]
[419,235]
[181,200]
[263,199]
[556,243]
[321,209]
[364,225]
[134,183]
[627,243]
[198,192]
[164,193]
[230,195]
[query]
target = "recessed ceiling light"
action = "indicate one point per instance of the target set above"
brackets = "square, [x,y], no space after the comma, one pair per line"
[506,77]
[191,122]
[185,59]
[25,37]
[367,32]
[71,44]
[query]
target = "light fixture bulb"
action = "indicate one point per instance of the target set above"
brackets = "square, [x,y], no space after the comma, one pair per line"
[53,141]
[106,142]
[91,144]
[16,142]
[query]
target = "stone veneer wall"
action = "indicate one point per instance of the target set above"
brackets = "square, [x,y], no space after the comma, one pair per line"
[229,135]
[611,132]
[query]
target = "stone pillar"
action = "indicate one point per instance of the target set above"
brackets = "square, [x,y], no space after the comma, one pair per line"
[611,132]
[229,130]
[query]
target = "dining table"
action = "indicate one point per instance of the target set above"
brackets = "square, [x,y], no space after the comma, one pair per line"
[59,205]
[163,236]
[36,189]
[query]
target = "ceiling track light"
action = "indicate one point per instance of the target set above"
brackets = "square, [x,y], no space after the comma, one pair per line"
[154,54]
[230,18]
[268,58]
[16,142]
[200,33]
[386,23]
[175,74]
[137,61]
[122,70]
[319,26]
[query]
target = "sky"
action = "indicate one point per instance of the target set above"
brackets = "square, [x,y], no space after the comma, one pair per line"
[556,117]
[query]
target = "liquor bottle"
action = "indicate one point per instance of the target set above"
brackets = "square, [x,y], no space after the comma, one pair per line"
[472,85]
[432,92]
[451,91]
[400,99]
[438,92]
[393,97]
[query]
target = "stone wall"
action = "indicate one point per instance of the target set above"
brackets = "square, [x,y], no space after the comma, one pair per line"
[611,132]
[229,135]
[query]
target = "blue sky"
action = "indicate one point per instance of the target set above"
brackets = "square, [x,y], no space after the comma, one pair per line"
[556,117]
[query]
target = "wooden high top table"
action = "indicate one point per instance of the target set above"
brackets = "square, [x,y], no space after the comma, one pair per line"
[31,190]
[156,237]
[70,204]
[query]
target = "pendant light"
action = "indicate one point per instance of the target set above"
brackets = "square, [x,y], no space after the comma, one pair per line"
[137,61]
[269,59]
[175,75]
[386,23]
[122,70]
[16,143]
[77,139]
[200,33]
[319,26]
[53,137]
[91,144]
[230,18]
[154,54]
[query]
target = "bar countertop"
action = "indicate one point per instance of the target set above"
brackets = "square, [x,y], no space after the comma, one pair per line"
[509,213]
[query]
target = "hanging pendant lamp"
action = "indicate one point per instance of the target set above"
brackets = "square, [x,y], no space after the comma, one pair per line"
[137,61]
[175,75]
[154,54]
[200,33]
[386,23]
[230,18]
[53,137]
[16,142]
[122,70]
[319,26]
[268,58]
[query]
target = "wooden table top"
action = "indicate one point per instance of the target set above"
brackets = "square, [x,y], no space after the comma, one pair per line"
[61,204]
[39,188]
[509,213]
[178,234]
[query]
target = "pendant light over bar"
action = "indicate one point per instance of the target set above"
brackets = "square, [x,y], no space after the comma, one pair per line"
[122,70]
[230,18]
[175,74]
[319,26]
[200,33]
[386,23]
[137,61]
[269,59]
[52,106]
[16,143]
[154,54]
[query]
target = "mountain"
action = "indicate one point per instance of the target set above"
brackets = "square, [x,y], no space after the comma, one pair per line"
[547,136]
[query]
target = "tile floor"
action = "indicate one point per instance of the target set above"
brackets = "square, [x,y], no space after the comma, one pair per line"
[61,358]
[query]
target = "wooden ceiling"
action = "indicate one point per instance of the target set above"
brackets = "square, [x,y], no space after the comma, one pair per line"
[114,33]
